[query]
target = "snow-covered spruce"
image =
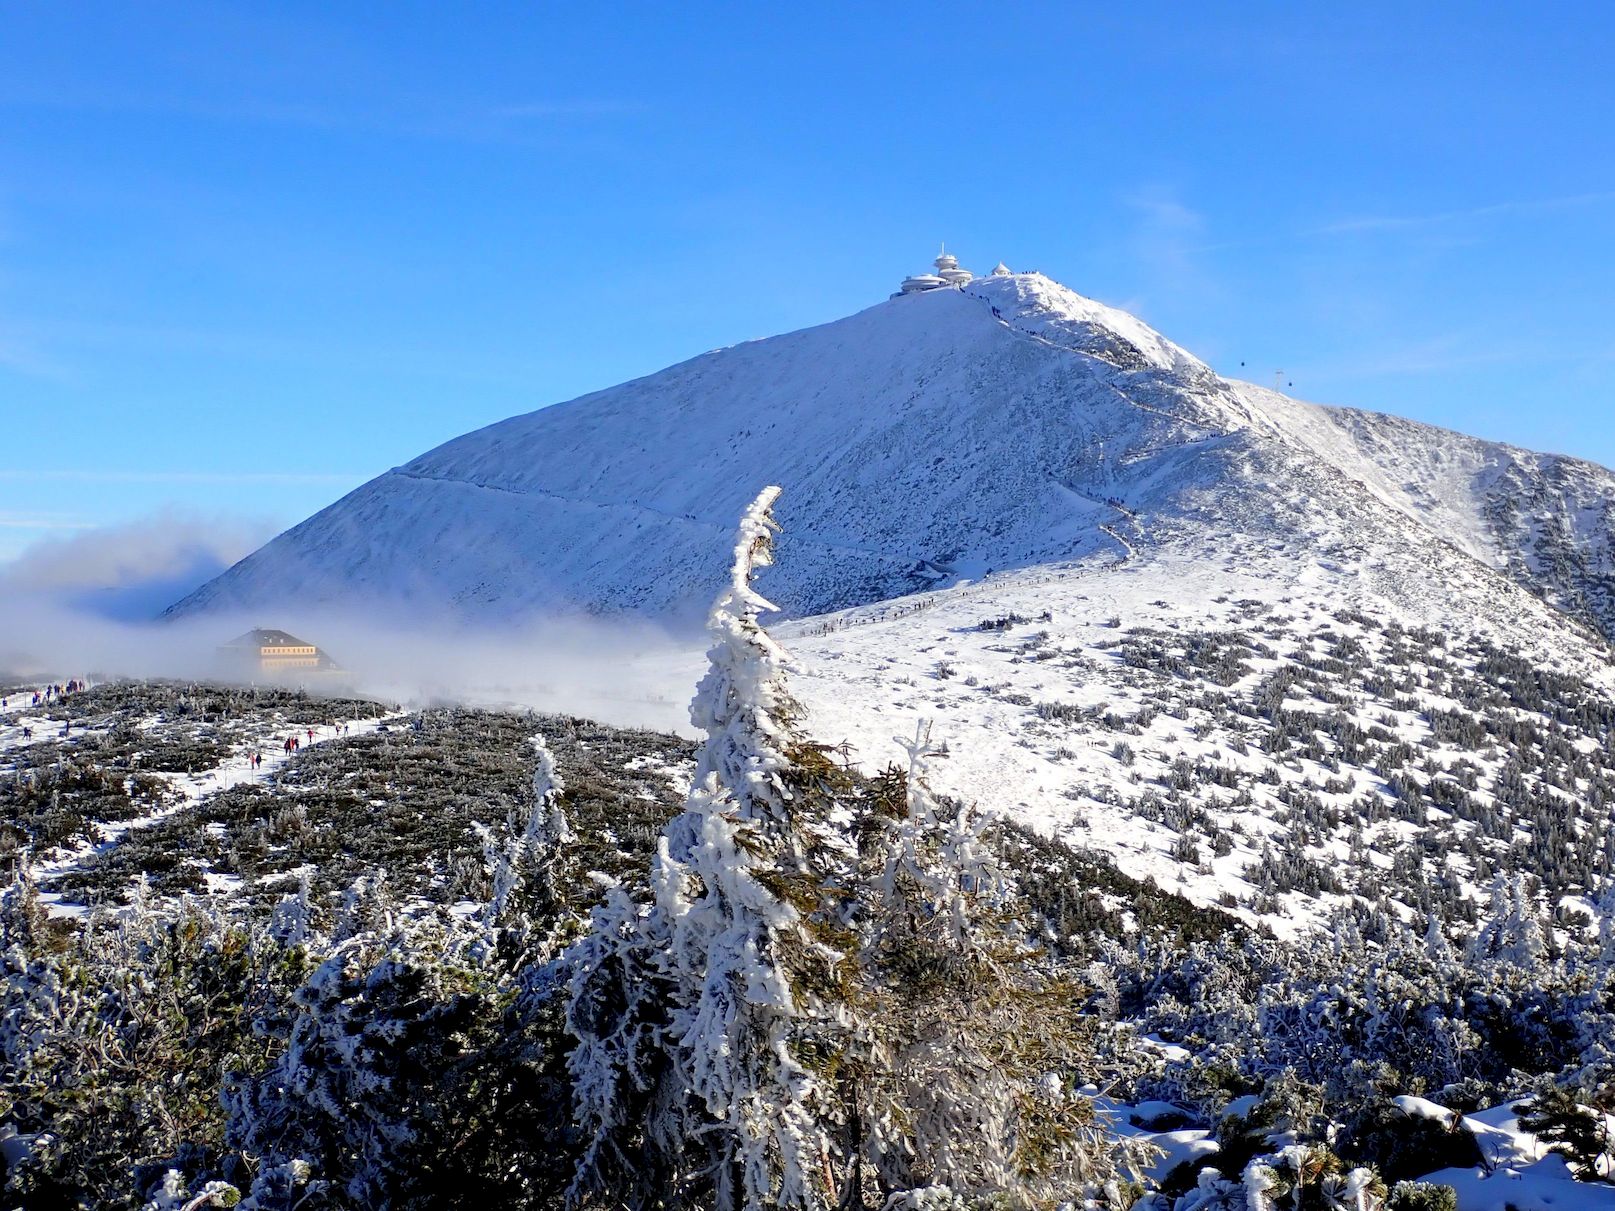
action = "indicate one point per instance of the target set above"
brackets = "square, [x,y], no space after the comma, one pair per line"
[965,1065]
[525,869]
[787,1023]
[730,1103]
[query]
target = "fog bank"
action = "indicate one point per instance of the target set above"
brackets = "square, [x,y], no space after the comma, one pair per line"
[621,672]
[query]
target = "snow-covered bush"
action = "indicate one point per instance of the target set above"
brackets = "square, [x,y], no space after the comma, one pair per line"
[1402,1145]
[116,1040]
[1297,1177]
[416,1066]
[1421,1196]
[1584,1135]
[172,1195]
[926,1198]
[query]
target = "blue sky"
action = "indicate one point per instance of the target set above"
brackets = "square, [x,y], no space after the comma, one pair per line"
[251,255]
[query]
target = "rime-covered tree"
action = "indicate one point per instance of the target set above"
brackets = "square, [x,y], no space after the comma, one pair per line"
[1603,946]
[1510,932]
[411,1071]
[695,1011]
[116,1039]
[964,1073]
[526,915]
[419,1064]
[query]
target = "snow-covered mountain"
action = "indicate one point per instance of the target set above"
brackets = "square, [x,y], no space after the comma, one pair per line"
[932,438]
[1269,653]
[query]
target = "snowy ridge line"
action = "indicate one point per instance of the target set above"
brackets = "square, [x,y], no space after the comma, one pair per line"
[929,424]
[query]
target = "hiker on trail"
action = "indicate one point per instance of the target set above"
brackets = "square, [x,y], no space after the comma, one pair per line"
[288,745]
[311,735]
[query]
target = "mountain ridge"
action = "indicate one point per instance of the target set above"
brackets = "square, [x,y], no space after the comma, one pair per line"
[923,441]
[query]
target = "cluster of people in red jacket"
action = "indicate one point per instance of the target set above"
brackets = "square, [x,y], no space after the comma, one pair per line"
[51,692]
[293,742]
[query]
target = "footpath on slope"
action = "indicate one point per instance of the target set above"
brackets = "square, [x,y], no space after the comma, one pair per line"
[18,720]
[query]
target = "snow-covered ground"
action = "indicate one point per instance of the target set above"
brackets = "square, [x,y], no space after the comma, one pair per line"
[19,716]
[1519,1172]
[1077,699]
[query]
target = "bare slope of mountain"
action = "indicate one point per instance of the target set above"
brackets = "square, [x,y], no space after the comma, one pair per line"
[928,439]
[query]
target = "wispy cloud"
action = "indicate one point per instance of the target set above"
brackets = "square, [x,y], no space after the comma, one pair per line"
[148,548]
[17,356]
[394,116]
[1168,240]
[1444,353]
[1387,223]
[23,356]
[1167,230]
[130,570]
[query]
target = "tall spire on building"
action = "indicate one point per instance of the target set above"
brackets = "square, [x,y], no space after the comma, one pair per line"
[948,273]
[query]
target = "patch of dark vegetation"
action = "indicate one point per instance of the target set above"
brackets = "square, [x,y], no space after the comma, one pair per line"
[43,806]
[404,801]
[1070,889]
[104,765]
[192,702]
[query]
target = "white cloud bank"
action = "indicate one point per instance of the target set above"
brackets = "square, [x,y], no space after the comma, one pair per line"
[166,546]
[86,605]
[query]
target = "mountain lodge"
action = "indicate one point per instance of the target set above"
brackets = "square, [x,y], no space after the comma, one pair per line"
[272,653]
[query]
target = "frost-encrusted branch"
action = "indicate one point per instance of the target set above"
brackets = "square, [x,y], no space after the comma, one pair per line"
[940,851]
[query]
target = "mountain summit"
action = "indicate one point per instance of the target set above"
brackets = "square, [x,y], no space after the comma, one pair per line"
[964,426]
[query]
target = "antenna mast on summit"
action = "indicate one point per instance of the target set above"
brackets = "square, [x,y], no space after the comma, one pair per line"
[1278,379]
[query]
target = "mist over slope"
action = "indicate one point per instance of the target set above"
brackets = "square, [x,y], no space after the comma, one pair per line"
[929,439]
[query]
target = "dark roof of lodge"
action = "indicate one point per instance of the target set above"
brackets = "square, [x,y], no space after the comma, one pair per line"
[264,637]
